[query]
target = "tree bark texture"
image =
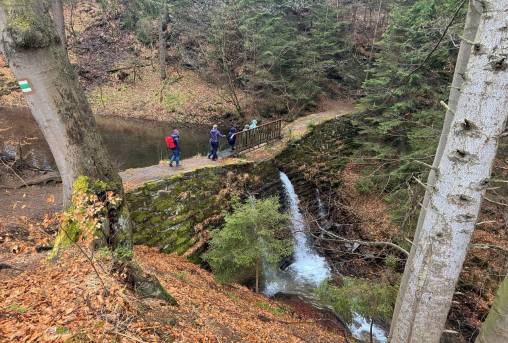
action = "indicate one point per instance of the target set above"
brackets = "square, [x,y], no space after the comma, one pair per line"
[469,35]
[58,104]
[462,176]
[495,327]
[59,19]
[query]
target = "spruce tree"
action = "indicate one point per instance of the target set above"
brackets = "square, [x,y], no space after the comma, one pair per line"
[251,237]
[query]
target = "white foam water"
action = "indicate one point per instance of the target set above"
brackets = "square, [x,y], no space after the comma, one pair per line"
[309,269]
[360,329]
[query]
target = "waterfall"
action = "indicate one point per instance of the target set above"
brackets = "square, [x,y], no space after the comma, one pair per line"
[308,269]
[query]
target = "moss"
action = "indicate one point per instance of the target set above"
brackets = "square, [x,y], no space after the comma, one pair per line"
[156,219]
[96,210]
[166,211]
[81,185]
[29,24]
[140,216]
[68,234]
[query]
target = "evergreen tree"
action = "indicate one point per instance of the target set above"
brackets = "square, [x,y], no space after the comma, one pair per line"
[371,300]
[282,53]
[401,115]
[251,236]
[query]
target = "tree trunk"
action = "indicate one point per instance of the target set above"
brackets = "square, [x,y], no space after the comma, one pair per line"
[257,276]
[162,43]
[462,176]
[495,327]
[370,331]
[58,17]
[470,30]
[39,61]
[374,37]
[99,212]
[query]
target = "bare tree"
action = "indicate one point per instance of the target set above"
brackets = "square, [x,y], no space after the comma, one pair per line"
[39,61]
[461,177]
[469,35]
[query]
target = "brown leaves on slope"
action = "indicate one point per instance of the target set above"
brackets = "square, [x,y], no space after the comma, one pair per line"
[214,313]
[65,302]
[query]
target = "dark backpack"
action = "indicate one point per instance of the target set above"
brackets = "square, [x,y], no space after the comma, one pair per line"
[170,142]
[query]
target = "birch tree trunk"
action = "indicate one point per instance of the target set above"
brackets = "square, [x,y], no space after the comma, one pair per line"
[495,327]
[461,178]
[469,35]
[59,19]
[162,43]
[39,61]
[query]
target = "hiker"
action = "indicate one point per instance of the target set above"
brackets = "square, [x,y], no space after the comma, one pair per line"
[173,144]
[253,124]
[215,134]
[231,136]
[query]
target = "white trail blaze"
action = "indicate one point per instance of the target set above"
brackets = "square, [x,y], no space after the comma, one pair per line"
[461,179]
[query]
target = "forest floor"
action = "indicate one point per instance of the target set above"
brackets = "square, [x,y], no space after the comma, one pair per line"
[66,301]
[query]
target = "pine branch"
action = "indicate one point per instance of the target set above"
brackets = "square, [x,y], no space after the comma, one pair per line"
[438,42]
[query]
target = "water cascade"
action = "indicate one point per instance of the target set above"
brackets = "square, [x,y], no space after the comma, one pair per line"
[308,269]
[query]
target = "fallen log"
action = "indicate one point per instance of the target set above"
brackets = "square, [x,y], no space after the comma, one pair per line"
[51,177]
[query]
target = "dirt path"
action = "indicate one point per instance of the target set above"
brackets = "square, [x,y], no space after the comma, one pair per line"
[135,177]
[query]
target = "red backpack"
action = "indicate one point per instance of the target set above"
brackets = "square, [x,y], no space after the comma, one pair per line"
[170,142]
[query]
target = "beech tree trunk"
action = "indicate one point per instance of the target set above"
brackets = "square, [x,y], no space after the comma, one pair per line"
[36,55]
[462,176]
[469,35]
[59,19]
[495,327]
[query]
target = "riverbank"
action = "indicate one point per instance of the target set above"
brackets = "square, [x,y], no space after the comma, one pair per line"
[65,302]
[291,131]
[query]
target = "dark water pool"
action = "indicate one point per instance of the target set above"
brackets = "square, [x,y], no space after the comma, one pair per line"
[131,143]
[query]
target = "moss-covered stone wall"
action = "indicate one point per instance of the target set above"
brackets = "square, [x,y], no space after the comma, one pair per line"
[176,213]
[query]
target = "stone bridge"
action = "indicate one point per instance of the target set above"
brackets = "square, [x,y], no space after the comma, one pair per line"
[174,208]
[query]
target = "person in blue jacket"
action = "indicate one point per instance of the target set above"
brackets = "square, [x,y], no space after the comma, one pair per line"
[175,152]
[215,134]
[231,136]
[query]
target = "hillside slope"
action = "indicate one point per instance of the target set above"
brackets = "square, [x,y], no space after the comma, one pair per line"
[65,301]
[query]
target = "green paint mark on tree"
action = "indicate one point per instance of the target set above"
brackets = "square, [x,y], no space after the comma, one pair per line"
[25,86]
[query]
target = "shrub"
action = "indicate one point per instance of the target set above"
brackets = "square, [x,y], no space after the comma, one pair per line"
[374,300]
[249,237]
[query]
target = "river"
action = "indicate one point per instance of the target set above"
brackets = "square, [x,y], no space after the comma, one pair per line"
[131,143]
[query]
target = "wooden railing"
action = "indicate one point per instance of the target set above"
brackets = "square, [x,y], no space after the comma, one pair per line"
[252,138]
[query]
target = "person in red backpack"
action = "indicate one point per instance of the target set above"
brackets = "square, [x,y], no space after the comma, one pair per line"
[173,144]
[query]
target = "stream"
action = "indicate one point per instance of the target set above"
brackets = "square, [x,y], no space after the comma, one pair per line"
[308,270]
[131,143]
